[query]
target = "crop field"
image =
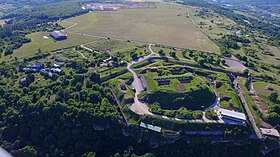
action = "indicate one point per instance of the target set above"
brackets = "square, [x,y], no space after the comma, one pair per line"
[38,42]
[145,25]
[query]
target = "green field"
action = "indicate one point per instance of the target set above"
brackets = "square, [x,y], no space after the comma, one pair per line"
[263,92]
[194,94]
[38,42]
[166,25]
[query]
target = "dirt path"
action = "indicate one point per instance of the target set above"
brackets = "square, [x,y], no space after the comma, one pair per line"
[143,109]
[139,107]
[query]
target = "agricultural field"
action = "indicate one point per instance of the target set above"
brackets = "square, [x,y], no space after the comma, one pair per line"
[145,25]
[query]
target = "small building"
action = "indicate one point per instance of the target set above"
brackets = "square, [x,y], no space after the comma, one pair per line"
[107,60]
[56,70]
[22,81]
[58,59]
[150,127]
[58,35]
[232,117]
[37,65]
[56,65]
[43,71]
[50,74]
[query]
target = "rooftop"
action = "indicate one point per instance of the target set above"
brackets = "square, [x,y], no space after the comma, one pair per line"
[233,114]
[59,33]
[150,127]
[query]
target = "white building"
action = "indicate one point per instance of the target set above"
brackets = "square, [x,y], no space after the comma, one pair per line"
[232,117]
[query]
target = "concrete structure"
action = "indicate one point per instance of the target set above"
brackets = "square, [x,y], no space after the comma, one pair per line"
[150,127]
[270,132]
[144,83]
[232,117]
[56,70]
[58,35]
[22,80]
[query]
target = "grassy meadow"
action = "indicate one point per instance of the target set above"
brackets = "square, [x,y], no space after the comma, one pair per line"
[38,42]
[263,92]
[166,25]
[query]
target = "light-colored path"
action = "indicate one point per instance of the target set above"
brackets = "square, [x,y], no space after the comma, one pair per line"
[143,109]
[139,107]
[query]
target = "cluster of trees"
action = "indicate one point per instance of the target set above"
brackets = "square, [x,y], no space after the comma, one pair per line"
[201,58]
[264,27]
[240,39]
[193,100]
[274,111]
[182,113]
[56,118]
[226,44]
[211,114]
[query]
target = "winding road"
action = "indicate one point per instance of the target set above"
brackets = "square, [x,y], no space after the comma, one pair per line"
[143,109]
[139,107]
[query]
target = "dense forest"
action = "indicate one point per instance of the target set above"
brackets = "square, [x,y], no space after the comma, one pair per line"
[40,119]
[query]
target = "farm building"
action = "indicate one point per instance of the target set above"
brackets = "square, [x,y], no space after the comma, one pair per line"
[232,116]
[58,35]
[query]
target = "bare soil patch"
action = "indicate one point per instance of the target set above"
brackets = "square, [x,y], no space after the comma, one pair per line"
[180,87]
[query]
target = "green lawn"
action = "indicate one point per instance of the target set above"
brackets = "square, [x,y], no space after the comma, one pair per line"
[226,92]
[263,92]
[37,42]
[146,25]
[195,95]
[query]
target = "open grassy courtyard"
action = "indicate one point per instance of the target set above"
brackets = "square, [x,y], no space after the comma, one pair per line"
[166,25]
